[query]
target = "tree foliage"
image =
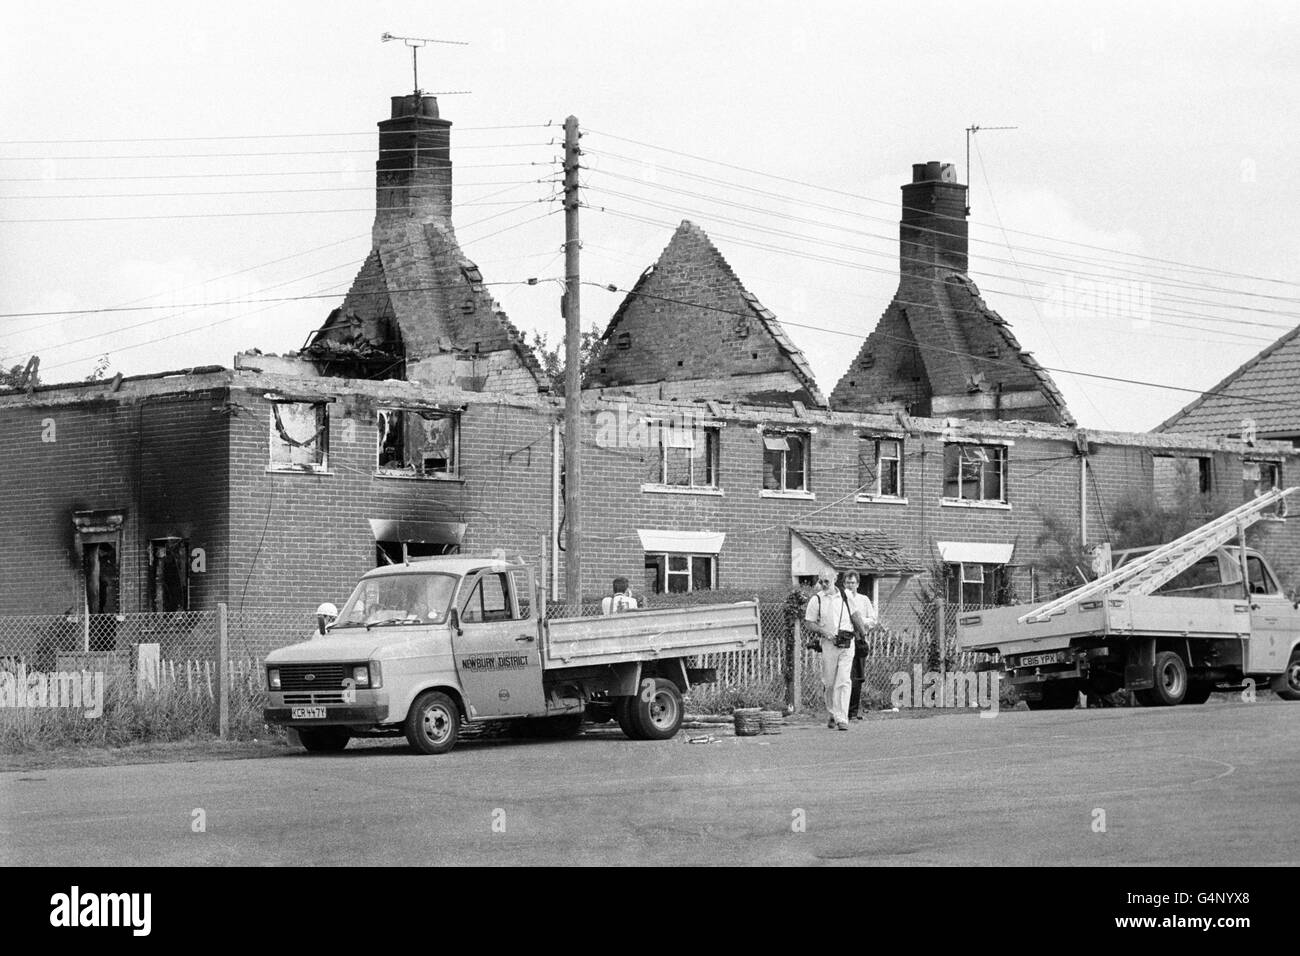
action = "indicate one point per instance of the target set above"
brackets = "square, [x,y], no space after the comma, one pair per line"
[551,357]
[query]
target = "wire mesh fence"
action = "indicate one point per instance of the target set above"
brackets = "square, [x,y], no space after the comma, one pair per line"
[110,679]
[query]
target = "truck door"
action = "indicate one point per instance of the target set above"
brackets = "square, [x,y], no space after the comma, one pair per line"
[1274,621]
[496,652]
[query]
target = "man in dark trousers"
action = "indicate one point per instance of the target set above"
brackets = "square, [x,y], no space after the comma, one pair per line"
[862,620]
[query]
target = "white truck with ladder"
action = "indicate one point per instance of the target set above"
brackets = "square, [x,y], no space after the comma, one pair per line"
[1170,623]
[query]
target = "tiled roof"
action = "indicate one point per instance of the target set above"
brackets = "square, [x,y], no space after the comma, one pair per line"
[862,549]
[771,324]
[1266,390]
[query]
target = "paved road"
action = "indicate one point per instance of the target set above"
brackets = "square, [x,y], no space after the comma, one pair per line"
[1215,784]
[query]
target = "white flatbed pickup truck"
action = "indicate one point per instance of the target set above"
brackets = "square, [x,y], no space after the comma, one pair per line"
[1203,629]
[422,648]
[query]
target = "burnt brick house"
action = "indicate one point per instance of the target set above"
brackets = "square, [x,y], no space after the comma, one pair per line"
[417,422]
[938,349]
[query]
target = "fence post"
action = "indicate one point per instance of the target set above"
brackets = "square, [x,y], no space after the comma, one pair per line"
[941,631]
[223,673]
[796,669]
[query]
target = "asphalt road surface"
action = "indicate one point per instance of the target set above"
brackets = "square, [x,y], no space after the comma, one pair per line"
[1208,785]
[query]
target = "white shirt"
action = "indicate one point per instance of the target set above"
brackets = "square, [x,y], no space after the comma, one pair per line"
[832,613]
[618,602]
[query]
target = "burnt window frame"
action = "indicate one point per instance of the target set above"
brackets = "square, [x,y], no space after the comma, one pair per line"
[711,459]
[1002,450]
[321,437]
[805,435]
[874,441]
[451,473]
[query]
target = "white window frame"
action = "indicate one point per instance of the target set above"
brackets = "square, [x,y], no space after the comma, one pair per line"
[1003,502]
[690,557]
[675,437]
[874,494]
[784,491]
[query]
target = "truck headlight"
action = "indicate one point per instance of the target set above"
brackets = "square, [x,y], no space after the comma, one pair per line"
[361,675]
[273,678]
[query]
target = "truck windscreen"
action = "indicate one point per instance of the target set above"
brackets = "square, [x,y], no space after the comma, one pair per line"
[399,599]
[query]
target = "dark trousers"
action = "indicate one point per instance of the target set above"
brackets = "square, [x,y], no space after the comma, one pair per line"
[857,677]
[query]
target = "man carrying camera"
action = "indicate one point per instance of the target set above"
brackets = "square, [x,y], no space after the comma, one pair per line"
[830,618]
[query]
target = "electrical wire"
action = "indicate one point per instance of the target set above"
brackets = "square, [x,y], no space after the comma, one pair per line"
[191,139]
[931,213]
[286,172]
[938,348]
[849,264]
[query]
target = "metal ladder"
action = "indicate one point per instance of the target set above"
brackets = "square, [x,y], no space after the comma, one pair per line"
[1149,572]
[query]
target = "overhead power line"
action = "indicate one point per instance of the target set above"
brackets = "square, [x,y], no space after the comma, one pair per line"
[195,139]
[939,348]
[891,204]
[455,167]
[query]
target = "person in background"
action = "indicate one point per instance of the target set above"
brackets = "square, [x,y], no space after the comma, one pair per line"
[620,600]
[829,617]
[864,617]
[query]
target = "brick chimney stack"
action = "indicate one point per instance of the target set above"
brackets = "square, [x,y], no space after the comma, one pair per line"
[413,173]
[932,234]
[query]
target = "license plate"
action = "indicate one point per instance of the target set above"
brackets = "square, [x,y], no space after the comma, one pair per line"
[307,713]
[1035,660]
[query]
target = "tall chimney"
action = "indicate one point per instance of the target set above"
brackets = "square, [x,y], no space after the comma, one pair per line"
[932,234]
[413,173]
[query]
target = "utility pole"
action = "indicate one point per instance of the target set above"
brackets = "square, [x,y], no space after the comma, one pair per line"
[572,371]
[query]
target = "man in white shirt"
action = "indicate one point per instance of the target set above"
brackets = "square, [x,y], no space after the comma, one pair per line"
[830,616]
[864,615]
[620,600]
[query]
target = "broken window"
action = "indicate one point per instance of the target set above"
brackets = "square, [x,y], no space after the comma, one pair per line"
[880,467]
[688,457]
[1177,480]
[403,552]
[1259,477]
[300,436]
[975,473]
[169,565]
[100,567]
[418,444]
[785,461]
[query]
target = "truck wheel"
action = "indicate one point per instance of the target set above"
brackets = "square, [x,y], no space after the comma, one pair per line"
[433,723]
[660,717]
[623,714]
[1170,674]
[324,740]
[1198,692]
[1287,684]
[1057,695]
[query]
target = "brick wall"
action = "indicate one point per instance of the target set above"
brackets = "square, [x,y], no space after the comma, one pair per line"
[160,459]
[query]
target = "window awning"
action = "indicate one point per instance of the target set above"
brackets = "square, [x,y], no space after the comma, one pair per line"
[420,532]
[681,542]
[970,552]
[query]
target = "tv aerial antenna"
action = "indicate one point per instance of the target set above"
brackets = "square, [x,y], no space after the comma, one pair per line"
[971,131]
[414,44]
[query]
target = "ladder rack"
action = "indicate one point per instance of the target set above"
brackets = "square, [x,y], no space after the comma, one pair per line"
[1157,568]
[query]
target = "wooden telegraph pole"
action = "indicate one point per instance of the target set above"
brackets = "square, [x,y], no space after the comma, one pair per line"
[572,372]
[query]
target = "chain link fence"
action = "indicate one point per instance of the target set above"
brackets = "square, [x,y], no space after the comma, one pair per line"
[113,679]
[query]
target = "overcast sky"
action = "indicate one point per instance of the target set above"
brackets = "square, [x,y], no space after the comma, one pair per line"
[1139,223]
